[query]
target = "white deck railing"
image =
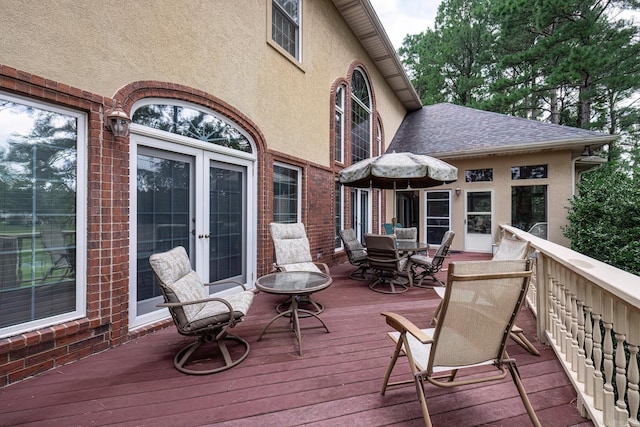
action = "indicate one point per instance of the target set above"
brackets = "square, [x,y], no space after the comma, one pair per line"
[589,313]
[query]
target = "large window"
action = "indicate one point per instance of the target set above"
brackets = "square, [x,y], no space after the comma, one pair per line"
[41,180]
[529,209]
[285,25]
[286,193]
[360,117]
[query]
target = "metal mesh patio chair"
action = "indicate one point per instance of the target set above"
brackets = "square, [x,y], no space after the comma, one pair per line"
[196,313]
[423,266]
[480,306]
[62,264]
[357,255]
[509,249]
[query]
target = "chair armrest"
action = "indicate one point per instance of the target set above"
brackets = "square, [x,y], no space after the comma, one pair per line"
[225,282]
[323,267]
[402,324]
[200,301]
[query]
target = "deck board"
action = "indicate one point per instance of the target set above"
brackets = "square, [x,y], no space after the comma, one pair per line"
[335,383]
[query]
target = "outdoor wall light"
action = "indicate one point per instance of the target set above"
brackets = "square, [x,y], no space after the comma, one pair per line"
[458,191]
[587,152]
[118,122]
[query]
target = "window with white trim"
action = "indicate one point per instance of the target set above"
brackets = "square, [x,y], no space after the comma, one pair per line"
[285,25]
[42,215]
[286,193]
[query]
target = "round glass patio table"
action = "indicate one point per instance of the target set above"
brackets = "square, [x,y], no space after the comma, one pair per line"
[296,285]
[407,246]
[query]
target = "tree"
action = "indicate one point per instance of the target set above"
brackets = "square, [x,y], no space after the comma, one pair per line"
[603,217]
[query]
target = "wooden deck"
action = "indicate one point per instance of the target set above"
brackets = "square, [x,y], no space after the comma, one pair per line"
[335,383]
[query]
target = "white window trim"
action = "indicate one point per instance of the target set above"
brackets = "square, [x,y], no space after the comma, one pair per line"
[299,192]
[296,61]
[81,221]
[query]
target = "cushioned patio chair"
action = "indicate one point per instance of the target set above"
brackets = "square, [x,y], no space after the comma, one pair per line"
[196,313]
[509,249]
[357,255]
[294,254]
[424,266]
[481,303]
[388,264]
[409,234]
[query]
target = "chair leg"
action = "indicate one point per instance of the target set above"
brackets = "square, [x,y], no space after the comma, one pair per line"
[423,400]
[518,336]
[395,287]
[392,364]
[515,375]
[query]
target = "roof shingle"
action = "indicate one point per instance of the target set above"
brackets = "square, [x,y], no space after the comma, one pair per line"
[448,130]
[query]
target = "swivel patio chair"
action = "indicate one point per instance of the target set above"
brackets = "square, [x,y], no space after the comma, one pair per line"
[357,255]
[424,266]
[481,303]
[294,254]
[387,263]
[196,313]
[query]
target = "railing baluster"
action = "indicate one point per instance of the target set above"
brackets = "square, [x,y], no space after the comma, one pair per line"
[609,398]
[577,298]
[633,374]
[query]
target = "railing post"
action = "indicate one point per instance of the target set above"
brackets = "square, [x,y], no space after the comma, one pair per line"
[542,297]
[621,330]
[580,298]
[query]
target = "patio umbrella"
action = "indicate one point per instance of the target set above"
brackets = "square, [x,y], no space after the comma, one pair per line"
[392,171]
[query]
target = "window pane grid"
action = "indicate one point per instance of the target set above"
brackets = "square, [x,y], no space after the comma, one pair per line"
[285,25]
[38,199]
[285,194]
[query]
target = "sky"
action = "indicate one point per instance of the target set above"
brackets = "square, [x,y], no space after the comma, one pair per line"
[402,17]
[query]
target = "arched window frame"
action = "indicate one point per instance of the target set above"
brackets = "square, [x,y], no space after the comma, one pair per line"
[361,112]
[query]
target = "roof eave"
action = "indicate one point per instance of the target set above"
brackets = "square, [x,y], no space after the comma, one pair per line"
[595,142]
[372,37]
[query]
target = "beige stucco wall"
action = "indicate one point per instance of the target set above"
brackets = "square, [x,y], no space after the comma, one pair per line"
[559,191]
[217,46]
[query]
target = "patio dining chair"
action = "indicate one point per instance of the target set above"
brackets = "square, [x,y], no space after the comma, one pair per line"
[357,255]
[197,313]
[409,234]
[388,264]
[480,306]
[423,266]
[293,253]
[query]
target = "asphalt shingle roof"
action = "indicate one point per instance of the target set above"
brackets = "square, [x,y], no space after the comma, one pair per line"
[448,130]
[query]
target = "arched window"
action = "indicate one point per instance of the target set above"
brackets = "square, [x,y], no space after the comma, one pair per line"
[339,126]
[360,117]
[192,123]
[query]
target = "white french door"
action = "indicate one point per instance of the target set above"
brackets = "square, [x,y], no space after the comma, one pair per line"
[361,211]
[194,198]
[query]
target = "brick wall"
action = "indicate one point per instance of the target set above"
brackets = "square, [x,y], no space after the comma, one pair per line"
[107,278]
